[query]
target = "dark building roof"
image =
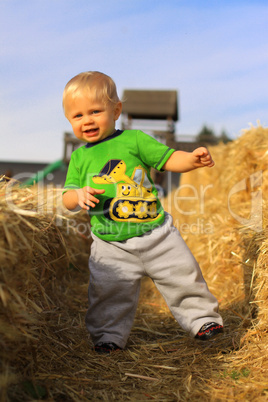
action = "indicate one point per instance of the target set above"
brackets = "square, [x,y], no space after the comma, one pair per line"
[151,104]
[23,171]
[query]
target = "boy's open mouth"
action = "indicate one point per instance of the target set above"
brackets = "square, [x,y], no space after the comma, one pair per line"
[91,132]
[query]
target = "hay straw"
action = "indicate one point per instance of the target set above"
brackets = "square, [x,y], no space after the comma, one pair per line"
[45,350]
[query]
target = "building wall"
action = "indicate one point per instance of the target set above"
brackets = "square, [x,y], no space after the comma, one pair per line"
[22,171]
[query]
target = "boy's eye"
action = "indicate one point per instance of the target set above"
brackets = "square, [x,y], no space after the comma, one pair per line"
[96,111]
[78,115]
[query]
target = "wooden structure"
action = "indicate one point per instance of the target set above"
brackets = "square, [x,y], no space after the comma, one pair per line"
[153,108]
[70,144]
[151,104]
[156,107]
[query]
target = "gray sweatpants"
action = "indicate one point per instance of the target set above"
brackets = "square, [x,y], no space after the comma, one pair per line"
[116,269]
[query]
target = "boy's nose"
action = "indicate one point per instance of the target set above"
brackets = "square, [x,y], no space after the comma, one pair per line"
[88,119]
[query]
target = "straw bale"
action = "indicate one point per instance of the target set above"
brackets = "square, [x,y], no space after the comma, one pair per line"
[37,248]
[231,247]
[46,353]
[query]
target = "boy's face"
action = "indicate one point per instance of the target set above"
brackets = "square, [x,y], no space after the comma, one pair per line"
[91,120]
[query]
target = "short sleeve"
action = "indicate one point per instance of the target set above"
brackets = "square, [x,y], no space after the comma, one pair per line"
[153,152]
[73,177]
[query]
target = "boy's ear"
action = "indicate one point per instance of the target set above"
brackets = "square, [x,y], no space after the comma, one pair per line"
[117,110]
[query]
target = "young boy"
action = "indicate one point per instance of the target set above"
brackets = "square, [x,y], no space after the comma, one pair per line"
[132,235]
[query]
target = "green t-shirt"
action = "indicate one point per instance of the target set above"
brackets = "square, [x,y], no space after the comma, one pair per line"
[120,164]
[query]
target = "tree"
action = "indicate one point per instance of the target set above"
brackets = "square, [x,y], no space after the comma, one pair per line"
[207,136]
[224,137]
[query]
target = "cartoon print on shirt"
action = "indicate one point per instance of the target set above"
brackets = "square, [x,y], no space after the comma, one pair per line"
[134,199]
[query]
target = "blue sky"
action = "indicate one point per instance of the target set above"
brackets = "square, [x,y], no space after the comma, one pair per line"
[214,52]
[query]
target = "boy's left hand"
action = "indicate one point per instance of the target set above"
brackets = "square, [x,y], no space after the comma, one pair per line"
[202,157]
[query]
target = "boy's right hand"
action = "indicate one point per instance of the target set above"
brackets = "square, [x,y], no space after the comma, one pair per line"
[86,197]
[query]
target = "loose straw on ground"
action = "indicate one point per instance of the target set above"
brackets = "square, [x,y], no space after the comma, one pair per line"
[46,353]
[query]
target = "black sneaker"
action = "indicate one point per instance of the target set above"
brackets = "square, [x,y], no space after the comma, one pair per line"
[209,330]
[106,348]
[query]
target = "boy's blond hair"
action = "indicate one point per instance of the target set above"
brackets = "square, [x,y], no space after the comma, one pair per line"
[99,86]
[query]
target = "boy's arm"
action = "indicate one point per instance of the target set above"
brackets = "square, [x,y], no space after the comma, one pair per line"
[181,162]
[84,197]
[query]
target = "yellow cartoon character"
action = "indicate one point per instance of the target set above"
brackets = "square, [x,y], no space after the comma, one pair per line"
[134,199]
[126,190]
